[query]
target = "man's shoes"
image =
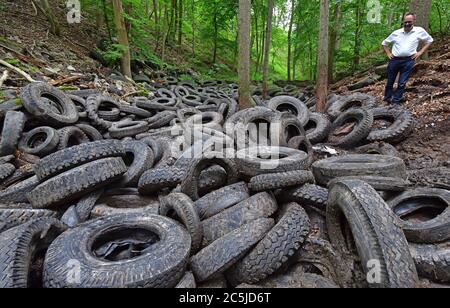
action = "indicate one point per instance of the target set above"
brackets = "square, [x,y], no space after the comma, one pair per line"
[387,100]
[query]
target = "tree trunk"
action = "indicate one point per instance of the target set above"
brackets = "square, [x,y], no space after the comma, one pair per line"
[123,37]
[267,50]
[334,39]
[357,46]
[322,80]
[180,22]
[105,13]
[48,12]
[244,53]
[291,24]
[422,9]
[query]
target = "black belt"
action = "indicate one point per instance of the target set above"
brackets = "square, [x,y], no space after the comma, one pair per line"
[403,58]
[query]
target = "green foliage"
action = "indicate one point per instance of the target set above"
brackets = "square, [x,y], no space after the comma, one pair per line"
[209,34]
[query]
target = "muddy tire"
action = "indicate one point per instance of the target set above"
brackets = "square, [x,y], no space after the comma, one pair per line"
[12,217]
[40,141]
[156,268]
[274,249]
[10,134]
[190,184]
[185,211]
[127,128]
[356,165]
[432,261]
[71,136]
[154,180]
[138,158]
[49,104]
[67,159]
[275,181]
[221,199]
[91,132]
[378,148]
[308,194]
[433,230]
[431,177]
[73,184]
[6,170]
[20,250]
[17,193]
[376,232]
[364,122]
[402,125]
[226,251]
[378,183]
[318,128]
[356,100]
[250,164]
[261,205]
[291,105]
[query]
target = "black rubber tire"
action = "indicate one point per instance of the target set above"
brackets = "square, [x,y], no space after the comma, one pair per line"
[379,148]
[283,128]
[158,104]
[431,177]
[154,180]
[156,147]
[432,261]
[190,184]
[80,104]
[359,164]
[187,282]
[83,93]
[40,141]
[275,181]
[262,205]
[34,98]
[20,250]
[7,159]
[221,199]
[71,136]
[214,120]
[434,230]
[67,159]
[401,127]
[157,268]
[211,179]
[308,194]
[10,134]
[281,243]
[379,183]
[375,231]
[139,112]
[17,193]
[6,170]
[12,217]
[251,165]
[138,158]
[91,132]
[127,128]
[292,105]
[356,100]
[226,251]
[318,128]
[93,104]
[161,119]
[81,211]
[77,182]
[364,120]
[186,212]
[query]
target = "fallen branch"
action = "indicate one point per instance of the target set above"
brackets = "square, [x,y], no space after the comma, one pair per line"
[130,94]
[17,70]
[442,56]
[65,80]
[4,77]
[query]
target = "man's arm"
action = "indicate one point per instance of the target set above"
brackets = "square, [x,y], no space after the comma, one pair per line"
[427,39]
[388,52]
[422,51]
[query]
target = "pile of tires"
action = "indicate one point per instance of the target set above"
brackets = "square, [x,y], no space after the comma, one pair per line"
[185,190]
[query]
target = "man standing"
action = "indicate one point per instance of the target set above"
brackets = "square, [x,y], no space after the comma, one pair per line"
[403,56]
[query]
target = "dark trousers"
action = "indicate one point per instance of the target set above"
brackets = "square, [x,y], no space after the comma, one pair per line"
[404,66]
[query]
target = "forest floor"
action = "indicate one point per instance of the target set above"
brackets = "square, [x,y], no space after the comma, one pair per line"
[25,42]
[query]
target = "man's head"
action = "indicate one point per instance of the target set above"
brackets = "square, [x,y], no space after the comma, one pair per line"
[408,21]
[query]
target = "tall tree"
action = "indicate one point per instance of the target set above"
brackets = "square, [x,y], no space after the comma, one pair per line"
[180,21]
[267,50]
[244,53]
[334,38]
[122,37]
[291,24]
[322,80]
[47,10]
[422,9]
[357,46]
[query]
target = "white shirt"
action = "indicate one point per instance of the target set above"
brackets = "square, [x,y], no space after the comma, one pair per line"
[406,44]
